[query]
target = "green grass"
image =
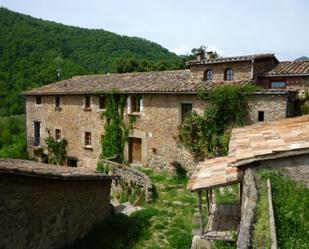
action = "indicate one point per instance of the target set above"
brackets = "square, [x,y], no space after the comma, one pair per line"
[165,223]
[227,195]
[291,202]
[261,232]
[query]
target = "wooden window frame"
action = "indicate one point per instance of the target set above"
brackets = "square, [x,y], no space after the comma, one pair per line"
[182,116]
[88,139]
[208,75]
[229,74]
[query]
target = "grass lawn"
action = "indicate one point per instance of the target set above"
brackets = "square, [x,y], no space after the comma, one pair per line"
[290,202]
[165,223]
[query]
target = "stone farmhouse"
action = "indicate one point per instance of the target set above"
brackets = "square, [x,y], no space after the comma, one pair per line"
[158,101]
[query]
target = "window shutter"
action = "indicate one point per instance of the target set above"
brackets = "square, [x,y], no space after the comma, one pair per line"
[128,105]
[141,104]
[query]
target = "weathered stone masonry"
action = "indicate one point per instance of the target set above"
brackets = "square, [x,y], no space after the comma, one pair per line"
[156,126]
[44,206]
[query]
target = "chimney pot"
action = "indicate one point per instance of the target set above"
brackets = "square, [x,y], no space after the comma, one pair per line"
[200,56]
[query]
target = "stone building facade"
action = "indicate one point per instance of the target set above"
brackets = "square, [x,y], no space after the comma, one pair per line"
[45,206]
[158,102]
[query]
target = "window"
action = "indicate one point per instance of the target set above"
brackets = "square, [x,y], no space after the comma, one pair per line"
[229,74]
[186,109]
[38,100]
[57,134]
[207,75]
[72,161]
[88,139]
[102,102]
[57,102]
[36,131]
[87,102]
[135,103]
[278,84]
[261,116]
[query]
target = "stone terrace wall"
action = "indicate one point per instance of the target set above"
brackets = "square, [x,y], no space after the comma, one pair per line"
[46,207]
[249,200]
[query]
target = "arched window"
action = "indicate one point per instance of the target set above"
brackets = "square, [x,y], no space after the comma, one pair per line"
[207,75]
[229,74]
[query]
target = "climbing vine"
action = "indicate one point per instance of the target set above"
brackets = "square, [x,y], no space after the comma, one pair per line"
[116,132]
[207,135]
[56,150]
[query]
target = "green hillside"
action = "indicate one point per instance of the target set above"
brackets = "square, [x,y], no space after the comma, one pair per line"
[31,50]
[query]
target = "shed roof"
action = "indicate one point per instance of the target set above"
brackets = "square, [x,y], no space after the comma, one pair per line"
[35,169]
[261,141]
[289,68]
[177,81]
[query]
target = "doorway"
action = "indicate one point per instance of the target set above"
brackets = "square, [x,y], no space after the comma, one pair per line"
[135,150]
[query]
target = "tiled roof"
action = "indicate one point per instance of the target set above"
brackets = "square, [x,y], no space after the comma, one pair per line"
[252,143]
[35,169]
[177,81]
[289,68]
[214,173]
[232,59]
[267,140]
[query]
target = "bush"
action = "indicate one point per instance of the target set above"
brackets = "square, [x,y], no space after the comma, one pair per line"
[207,135]
[56,150]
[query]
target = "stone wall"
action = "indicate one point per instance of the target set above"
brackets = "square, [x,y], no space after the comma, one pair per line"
[47,207]
[274,107]
[156,126]
[242,70]
[249,200]
[130,175]
[295,83]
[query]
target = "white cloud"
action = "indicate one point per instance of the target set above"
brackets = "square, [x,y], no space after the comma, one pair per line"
[181,50]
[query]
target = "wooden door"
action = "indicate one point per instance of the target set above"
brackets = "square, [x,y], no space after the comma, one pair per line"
[135,150]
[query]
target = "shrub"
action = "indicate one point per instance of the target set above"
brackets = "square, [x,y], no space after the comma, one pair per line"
[56,150]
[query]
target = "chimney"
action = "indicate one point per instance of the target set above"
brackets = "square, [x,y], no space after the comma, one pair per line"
[210,55]
[200,56]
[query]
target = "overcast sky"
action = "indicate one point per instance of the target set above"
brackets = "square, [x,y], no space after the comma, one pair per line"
[232,27]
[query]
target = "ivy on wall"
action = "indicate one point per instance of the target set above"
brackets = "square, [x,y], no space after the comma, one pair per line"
[56,150]
[116,133]
[207,135]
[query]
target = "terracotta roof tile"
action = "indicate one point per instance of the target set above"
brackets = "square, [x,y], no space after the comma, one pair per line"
[177,81]
[231,59]
[289,68]
[256,142]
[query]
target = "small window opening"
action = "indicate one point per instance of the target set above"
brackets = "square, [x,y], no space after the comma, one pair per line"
[57,134]
[207,75]
[261,116]
[57,102]
[37,133]
[38,100]
[87,102]
[72,162]
[229,74]
[88,139]
[102,102]
[186,109]
[135,103]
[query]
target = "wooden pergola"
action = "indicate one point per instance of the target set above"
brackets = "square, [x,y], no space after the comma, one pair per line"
[223,219]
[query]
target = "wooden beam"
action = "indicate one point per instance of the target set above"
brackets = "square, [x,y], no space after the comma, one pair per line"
[210,196]
[207,200]
[271,217]
[200,207]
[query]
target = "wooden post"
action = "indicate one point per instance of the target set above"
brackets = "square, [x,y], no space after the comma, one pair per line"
[271,218]
[200,207]
[207,200]
[210,196]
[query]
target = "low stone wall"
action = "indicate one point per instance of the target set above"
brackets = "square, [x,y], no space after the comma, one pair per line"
[249,201]
[45,206]
[130,175]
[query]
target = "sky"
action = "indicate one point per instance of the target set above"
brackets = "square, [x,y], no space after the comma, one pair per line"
[231,27]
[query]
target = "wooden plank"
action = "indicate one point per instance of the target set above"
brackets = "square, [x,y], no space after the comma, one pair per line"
[271,218]
[200,207]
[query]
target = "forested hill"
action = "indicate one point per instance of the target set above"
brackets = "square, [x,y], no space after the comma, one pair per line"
[31,50]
